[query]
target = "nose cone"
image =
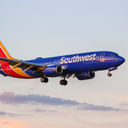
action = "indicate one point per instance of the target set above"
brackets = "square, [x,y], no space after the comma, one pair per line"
[121,60]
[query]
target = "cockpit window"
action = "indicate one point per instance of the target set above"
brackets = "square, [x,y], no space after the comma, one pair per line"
[114,54]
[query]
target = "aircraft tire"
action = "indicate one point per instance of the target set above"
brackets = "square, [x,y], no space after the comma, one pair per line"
[109,74]
[63,82]
[44,80]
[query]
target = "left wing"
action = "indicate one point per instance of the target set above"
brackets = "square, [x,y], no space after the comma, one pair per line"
[25,65]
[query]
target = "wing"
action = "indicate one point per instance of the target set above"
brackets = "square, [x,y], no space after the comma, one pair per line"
[25,65]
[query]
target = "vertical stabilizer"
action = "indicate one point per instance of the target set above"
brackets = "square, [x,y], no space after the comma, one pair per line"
[3,52]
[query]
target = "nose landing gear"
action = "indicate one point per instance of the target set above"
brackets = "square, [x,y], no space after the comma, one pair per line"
[109,74]
[111,69]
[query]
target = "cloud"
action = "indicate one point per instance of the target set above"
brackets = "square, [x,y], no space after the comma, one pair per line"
[12,123]
[7,114]
[85,106]
[124,98]
[43,110]
[11,98]
[5,122]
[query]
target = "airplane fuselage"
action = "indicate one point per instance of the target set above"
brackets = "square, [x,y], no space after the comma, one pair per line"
[83,65]
[78,63]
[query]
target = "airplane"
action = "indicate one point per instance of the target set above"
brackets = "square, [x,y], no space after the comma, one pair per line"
[82,66]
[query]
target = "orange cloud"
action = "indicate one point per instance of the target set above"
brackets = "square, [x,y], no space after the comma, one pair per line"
[125,98]
[19,123]
[12,123]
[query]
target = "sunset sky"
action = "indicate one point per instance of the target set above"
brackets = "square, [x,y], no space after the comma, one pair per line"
[43,28]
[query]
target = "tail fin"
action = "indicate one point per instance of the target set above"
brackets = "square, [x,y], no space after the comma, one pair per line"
[3,52]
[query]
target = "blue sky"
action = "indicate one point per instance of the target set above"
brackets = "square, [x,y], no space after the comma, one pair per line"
[33,28]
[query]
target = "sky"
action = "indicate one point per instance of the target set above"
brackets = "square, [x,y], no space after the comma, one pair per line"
[40,28]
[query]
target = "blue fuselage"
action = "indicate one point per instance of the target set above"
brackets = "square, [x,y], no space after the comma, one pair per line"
[79,63]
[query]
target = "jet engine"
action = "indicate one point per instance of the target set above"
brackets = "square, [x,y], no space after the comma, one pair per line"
[85,76]
[53,70]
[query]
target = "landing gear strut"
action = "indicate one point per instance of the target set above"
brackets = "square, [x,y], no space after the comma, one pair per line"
[44,80]
[111,69]
[63,82]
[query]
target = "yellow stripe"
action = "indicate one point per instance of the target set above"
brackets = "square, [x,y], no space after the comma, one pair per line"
[19,71]
[5,51]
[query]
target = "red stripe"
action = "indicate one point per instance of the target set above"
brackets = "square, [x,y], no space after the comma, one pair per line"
[2,54]
[6,68]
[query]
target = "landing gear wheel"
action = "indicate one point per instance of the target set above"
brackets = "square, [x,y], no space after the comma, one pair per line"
[63,82]
[44,80]
[109,74]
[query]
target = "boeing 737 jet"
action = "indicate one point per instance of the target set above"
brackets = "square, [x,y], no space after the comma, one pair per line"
[82,66]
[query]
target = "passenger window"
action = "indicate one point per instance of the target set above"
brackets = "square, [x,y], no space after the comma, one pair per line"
[113,54]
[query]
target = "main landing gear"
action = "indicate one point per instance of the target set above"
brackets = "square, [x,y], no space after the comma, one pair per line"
[62,82]
[44,80]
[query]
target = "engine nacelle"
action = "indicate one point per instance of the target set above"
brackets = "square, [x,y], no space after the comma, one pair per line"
[53,70]
[86,76]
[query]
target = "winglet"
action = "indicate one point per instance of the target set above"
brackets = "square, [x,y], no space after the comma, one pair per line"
[3,52]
